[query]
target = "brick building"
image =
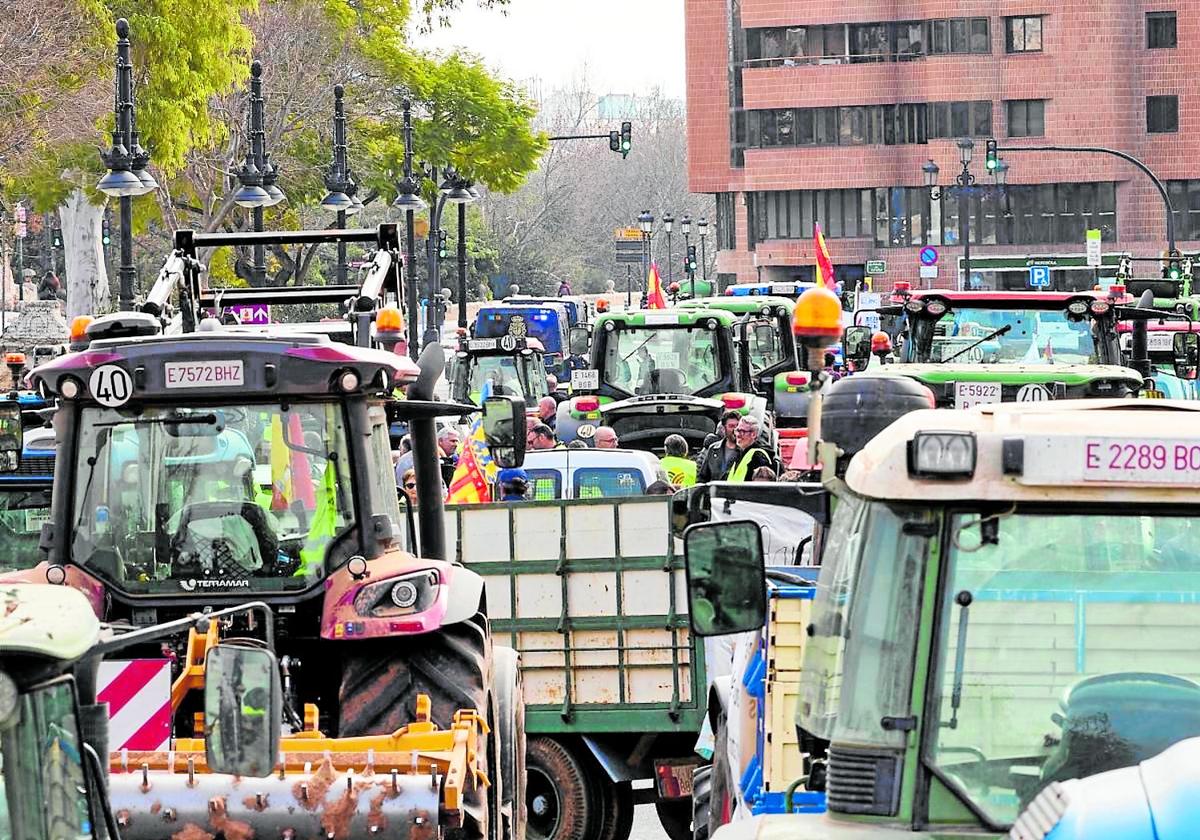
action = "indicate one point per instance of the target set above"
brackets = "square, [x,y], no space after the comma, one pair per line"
[827,111]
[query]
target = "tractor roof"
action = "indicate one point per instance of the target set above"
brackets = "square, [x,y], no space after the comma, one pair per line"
[1006,300]
[269,362]
[665,317]
[1060,451]
[743,305]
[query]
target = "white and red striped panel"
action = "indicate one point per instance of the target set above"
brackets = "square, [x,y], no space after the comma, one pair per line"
[138,693]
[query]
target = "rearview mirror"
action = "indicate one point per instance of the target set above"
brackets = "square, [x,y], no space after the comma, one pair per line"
[10,436]
[243,703]
[1186,348]
[726,587]
[578,341]
[504,429]
[856,346]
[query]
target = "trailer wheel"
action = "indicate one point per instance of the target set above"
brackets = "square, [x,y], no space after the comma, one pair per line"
[381,680]
[616,809]
[701,800]
[676,817]
[557,792]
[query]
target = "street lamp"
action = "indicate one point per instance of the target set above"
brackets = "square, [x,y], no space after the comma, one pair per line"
[339,180]
[646,225]
[462,192]
[703,225]
[668,223]
[410,202]
[126,162]
[454,189]
[257,174]
[964,181]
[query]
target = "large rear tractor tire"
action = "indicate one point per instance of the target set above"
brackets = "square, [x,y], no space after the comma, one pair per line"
[382,678]
[616,807]
[510,728]
[558,793]
[720,801]
[701,800]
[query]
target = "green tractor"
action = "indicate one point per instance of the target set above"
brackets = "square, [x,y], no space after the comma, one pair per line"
[1004,602]
[658,372]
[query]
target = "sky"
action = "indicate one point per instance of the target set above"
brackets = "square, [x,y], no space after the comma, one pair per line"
[626,46]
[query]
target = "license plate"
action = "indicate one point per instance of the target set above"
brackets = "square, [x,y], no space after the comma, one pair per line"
[970,394]
[216,374]
[481,344]
[1147,461]
[1160,341]
[587,379]
[673,780]
[783,288]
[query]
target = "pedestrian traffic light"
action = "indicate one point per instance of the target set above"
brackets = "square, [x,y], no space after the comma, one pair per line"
[614,140]
[626,138]
[105,233]
[56,236]
[991,158]
[690,265]
[441,244]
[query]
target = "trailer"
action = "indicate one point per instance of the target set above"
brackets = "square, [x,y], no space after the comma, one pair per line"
[590,592]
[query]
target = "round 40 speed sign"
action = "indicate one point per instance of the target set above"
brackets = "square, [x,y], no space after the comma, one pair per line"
[111,386]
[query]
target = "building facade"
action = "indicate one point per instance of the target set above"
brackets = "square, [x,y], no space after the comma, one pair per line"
[826,112]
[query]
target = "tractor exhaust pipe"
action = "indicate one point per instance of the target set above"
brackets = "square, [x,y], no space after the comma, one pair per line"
[430,510]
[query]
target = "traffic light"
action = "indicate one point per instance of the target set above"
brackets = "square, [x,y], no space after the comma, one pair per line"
[105,232]
[1124,269]
[1172,270]
[690,264]
[614,140]
[56,236]
[441,244]
[991,157]
[626,138]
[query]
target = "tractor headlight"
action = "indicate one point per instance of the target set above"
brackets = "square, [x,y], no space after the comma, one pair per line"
[411,593]
[942,455]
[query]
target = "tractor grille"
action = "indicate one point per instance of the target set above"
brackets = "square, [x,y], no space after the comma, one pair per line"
[863,781]
[35,465]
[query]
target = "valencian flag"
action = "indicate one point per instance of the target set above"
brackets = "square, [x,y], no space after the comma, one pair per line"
[655,299]
[825,275]
[475,470]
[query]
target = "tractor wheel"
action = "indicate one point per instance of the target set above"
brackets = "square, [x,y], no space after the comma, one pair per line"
[380,685]
[616,809]
[557,790]
[509,691]
[720,801]
[676,817]
[701,799]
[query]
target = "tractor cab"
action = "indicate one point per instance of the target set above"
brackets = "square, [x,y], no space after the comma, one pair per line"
[998,595]
[658,372]
[980,347]
[548,323]
[500,366]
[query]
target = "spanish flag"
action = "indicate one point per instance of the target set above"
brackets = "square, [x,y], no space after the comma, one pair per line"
[825,276]
[473,476]
[655,299]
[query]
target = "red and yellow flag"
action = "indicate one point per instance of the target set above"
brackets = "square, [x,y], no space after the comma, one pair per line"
[825,276]
[655,299]
[475,470]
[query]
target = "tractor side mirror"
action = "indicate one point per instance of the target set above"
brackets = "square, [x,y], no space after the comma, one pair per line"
[579,341]
[1186,347]
[856,346]
[727,592]
[504,429]
[243,702]
[11,436]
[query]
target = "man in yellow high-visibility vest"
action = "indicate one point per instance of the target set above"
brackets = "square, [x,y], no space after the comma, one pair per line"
[680,469]
[750,456]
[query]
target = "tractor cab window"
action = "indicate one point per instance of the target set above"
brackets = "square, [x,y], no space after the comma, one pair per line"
[1004,336]
[246,497]
[1064,649]
[514,376]
[662,360]
[22,513]
[764,345]
[45,786]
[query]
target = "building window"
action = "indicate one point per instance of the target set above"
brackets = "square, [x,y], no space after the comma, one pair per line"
[726,222]
[1162,114]
[858,125]
[1022,34]
[793,214]
[1160,30]
[955,36]
[1026,117]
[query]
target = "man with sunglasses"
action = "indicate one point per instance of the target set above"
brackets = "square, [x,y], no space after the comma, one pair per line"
[750,456]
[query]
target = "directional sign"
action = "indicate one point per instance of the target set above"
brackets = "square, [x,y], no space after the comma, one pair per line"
[256,314]
[628,234]
[929,255]
[1093,249]
[1039,277]
[876,266]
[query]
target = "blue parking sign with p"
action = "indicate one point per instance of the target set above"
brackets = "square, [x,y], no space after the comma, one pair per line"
[1039,277]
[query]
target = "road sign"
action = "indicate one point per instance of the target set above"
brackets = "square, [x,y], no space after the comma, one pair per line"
[876,266]
[1039,277]
[929,255]
[929,272]
[1033,392]
[629,245]
[1093,249]
[256,314]
[629,234]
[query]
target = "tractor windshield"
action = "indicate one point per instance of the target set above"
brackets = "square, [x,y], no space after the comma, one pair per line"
[1003,336]
[1066,649]
[662,360]
[22,512]
[515,376]
[212,499]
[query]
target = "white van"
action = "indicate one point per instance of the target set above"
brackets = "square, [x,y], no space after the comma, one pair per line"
[591,473]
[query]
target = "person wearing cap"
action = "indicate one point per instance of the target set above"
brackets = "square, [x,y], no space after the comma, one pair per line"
[514,484]
[680,469]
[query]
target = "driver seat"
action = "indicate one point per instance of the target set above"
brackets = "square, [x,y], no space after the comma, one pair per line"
[667,381]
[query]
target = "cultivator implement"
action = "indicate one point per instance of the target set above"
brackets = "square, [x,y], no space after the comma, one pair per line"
[407,784]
